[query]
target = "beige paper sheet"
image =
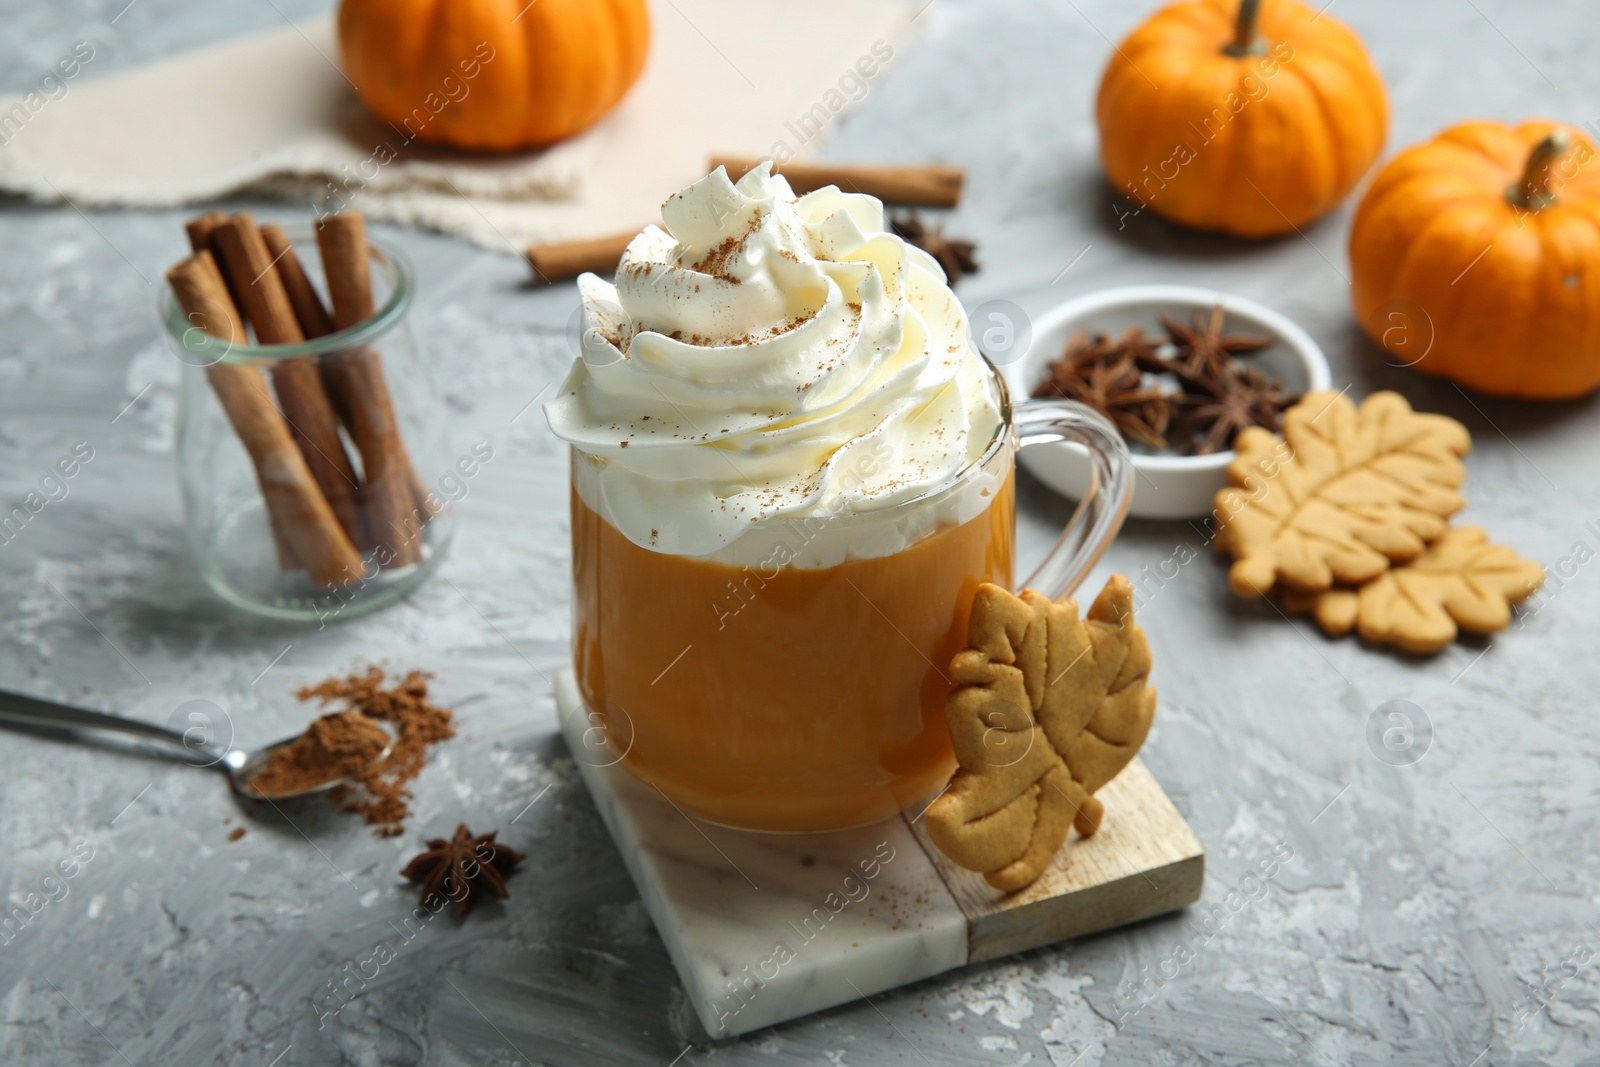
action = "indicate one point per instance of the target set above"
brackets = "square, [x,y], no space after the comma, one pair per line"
[272,114]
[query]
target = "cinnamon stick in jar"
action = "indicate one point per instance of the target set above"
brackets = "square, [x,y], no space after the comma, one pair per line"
[201,230]
[202,233]
[306,407]
[307,532]
[313,318]
[202,307]
[392,493]
[382,512]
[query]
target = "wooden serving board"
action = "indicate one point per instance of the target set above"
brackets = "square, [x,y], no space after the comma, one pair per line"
[1143,861]
[764,927]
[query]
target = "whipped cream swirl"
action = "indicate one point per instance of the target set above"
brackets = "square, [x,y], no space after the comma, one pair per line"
[768,357]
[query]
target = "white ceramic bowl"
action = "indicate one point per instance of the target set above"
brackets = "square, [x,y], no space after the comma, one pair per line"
[1165,486]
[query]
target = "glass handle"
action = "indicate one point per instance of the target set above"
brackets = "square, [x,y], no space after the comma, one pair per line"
[1104,506]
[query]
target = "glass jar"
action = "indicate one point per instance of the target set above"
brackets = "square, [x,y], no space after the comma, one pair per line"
[389,533]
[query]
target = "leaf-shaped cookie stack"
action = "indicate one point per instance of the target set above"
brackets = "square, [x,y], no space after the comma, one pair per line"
[1355,490]
[1463,582]
[1047,709]
[1347,516]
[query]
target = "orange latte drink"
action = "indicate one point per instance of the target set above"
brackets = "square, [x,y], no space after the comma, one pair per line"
[820,704]
[791,471]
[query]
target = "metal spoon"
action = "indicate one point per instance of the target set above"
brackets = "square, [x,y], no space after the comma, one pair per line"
[240,765]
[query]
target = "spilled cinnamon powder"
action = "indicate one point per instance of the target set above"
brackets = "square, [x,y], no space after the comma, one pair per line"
[381,792]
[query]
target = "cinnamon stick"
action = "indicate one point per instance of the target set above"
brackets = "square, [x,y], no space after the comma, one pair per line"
[202,232]
[308,310]
[201,229]
[298,383]
[221,319]
[391,494]
[930,185]
[303,525]
[924,185]
[559,260]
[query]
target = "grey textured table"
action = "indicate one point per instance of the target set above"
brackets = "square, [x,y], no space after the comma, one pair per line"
[1436,913]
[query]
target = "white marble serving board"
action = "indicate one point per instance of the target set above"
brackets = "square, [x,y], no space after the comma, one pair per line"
[764,928]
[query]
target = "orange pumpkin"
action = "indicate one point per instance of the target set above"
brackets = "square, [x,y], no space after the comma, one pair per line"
[1250,117]
[492,74]
[1476,256]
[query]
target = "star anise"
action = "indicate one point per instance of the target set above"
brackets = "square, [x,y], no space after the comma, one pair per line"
[1271,399]
[1080,354]
[1204,352]
[1220,421]
[1244,398]
[463,868]
[1115,387]
[1144,350]
[1193,401]
[955,256]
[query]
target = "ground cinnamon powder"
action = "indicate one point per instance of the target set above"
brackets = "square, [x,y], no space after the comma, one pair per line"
[335,746]
[379,793]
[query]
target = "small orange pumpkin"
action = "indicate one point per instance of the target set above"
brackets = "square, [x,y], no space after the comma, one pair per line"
[1476,256]
[1250,117]
[492,74]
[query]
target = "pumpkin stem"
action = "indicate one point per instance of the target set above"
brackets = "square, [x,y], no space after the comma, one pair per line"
[1245,41]
[1533,191]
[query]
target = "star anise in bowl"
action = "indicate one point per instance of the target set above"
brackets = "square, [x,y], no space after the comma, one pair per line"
[463,868]
[1187,392]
